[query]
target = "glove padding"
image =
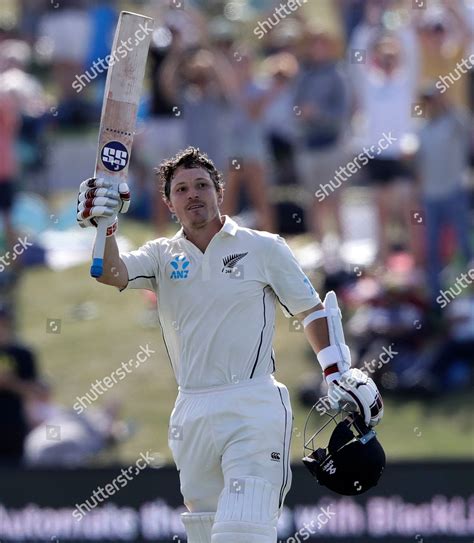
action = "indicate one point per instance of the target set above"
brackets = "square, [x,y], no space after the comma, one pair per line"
[101,198]
[355,387]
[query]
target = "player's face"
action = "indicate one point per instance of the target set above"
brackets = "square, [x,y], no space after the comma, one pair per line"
[193,197]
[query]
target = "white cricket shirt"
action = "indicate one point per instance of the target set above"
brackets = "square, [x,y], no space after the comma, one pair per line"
[217,308]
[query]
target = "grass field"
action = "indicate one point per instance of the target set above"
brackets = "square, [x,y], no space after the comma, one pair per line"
[87,350]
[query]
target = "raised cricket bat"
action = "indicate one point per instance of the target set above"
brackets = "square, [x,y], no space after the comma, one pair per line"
[119,110]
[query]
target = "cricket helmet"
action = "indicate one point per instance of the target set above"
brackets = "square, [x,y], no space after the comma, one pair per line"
[353,460]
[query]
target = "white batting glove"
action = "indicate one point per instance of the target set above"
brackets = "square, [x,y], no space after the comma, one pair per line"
[356,388]
[99,198]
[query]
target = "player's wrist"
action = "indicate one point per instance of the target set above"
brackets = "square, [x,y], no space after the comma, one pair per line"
[331,374]
[334,359]
[112,229]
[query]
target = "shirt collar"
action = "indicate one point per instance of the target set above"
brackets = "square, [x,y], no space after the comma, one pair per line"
[229,227]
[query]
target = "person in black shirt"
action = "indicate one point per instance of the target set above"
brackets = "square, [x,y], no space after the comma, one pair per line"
[18,384]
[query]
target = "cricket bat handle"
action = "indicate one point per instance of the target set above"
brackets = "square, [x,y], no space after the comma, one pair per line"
[97,267]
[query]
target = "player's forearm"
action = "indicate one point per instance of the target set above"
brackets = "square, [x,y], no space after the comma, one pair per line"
[115,273]
[316,332]
[323,329]
[347,387]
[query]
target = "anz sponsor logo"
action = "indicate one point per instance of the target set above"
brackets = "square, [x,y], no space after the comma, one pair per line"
[180,265]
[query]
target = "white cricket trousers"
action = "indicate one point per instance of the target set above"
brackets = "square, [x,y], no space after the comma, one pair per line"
[220,434]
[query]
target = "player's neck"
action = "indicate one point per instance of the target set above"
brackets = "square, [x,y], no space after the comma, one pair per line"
[201,237]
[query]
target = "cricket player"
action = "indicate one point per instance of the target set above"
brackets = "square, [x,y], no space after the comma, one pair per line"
[217,286]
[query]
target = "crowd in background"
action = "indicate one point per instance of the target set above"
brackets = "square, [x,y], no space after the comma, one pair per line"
[302,117]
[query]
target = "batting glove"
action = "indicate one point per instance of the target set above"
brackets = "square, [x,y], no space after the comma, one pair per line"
[99,198]
[356,388]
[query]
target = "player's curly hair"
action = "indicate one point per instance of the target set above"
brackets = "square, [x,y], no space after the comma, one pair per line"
[191,157]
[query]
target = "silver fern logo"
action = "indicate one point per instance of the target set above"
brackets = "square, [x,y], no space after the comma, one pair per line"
[231,261]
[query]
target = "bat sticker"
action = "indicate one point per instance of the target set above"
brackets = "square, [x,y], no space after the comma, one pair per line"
[114,156]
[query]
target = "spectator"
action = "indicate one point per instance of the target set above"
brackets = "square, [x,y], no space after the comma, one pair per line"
[442,182]
[284,38]
[202,85]
[389,323]
[68,439]
[222,37]
[469,17]
[351,14]
[31,11]
[281,130]
[102,20]
[28,105]
[163,131]
[18,385]
[322,100]
[20,95]
[445,40]
[385,93]
[9,129]
[249,146]
[453,366]
[280,116]
[64,37]
[370,25]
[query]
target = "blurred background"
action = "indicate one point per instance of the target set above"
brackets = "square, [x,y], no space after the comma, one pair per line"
[347,127]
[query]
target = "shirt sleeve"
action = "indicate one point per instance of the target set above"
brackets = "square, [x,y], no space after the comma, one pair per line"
[142,267]
[290,284]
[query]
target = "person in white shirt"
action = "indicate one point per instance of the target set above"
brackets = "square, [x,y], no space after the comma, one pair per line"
[217,285]
[385,93]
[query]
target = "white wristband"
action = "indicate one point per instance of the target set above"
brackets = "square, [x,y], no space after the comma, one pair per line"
[334,355]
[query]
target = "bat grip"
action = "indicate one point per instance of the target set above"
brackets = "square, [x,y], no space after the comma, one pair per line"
[97,267]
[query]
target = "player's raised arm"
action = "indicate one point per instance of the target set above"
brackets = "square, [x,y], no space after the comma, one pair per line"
[125,72]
